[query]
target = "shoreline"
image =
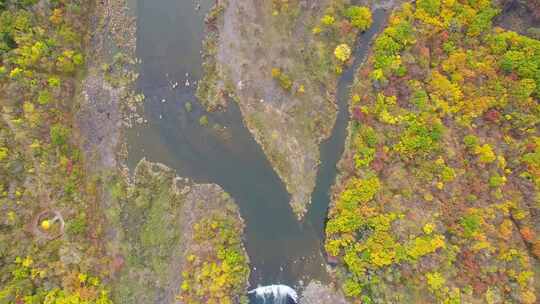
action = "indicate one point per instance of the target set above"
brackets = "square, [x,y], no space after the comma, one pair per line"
[290,122]
[108,109]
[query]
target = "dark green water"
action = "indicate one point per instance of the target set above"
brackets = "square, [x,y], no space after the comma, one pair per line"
[281,249]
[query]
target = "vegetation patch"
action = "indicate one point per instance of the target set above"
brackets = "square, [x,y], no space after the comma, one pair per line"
[438,199]
[179,240]
[73,228]
[44,187]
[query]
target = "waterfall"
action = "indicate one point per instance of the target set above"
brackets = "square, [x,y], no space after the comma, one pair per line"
[275,294]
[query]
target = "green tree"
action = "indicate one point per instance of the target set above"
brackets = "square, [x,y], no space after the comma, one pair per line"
[342,52]
[360,17]
[59,135]
[431,7]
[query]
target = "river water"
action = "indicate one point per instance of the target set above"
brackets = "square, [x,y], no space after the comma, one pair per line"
[281,249]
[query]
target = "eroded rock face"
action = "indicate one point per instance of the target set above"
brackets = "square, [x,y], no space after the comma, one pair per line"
[284,79]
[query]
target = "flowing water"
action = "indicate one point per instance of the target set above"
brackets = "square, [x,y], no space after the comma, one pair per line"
[276,294]
[281,249]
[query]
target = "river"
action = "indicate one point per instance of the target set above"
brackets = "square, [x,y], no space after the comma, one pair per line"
[281,249]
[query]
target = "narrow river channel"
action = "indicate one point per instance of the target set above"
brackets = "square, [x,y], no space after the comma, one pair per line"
[281,249]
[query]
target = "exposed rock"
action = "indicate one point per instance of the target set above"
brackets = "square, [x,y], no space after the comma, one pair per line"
[318,293]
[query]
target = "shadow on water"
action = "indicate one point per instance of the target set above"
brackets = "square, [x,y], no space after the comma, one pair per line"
[281,249]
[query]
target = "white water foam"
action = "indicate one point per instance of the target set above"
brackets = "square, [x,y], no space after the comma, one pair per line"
[280,294]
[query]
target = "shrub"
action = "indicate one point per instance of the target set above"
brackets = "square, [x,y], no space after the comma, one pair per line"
[3,153]
[361,190]
[203,120]
[363,157]
[424,245]
[59,135]
[496,180]
[68,61]
[357,192]
[328,20]
[428,228]
[54,81]
[360,17]
[524,89]
[188,106]
[44,97]
[15,73]
[283,79]
[368,136]
[485,153]
[343,52]
[532,159]
[470,224]
[482,21]
[77,225]
[351,288]
[448,174]
[435,281]
[432,7]
[470,141]
[420,138]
